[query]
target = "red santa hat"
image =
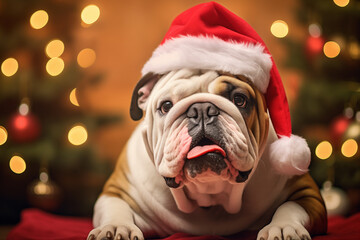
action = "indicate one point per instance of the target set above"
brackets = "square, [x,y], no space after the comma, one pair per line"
[208,36]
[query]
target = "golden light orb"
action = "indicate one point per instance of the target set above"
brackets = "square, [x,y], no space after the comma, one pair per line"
[54,48]
[3,135]
[86,57]
[342,3]
[9,67]
[77,135]
[349,148]
[353,131]
[279,29]
[55,66]
[323,150]
[73,98]
[90,14]
[39,19]
[17,164]
[331,49]
[354,50]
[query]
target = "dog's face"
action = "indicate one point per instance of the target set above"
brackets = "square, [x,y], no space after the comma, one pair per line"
[205,131]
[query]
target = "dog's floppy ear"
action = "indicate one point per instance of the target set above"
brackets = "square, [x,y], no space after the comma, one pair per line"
[141,93]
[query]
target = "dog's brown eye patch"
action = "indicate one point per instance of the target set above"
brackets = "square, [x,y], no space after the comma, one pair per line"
[244,101]
[240,100]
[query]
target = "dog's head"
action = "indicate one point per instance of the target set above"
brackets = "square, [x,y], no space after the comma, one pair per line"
[205,132]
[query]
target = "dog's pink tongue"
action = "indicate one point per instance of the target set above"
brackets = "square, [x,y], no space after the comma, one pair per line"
[201,150]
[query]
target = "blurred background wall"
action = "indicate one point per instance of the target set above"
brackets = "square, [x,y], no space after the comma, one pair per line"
[56,153]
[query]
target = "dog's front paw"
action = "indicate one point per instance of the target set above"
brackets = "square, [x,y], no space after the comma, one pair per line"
[111,232]
[286,231]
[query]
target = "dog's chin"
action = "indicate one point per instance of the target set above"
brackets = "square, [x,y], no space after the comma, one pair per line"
[206,166]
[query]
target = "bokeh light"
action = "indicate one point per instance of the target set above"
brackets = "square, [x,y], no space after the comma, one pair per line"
[349,148]
[86,57]
[39,19]
[54,48]
[315,44]
[55,66]
[44,177]
[354,49]
[9,67]
[42,188]
[73,98]
[279,28]
[3,135]
[331,49]
[315,30]
[90,14]
[17,164]
[21,122]
[342,3]
[357,116]
[349,112]
[353,131]
[77,135]
[24,109]
[323,150]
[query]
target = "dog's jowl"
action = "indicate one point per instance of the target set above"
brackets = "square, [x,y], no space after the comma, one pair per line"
[214,152]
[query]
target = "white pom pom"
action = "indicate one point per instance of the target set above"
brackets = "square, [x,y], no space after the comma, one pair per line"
[290,155]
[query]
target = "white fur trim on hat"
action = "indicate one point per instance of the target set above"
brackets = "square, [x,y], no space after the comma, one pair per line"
[204,52]
[290,155]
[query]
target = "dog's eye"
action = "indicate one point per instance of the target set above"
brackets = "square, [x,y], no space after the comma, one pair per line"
[166,106]
[239,100]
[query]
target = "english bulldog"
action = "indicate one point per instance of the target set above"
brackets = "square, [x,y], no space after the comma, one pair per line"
[199,163]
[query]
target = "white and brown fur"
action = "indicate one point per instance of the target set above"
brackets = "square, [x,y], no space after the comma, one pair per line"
[153,193]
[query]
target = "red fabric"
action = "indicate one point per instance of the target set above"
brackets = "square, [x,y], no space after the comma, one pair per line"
[212,19]
[38,225]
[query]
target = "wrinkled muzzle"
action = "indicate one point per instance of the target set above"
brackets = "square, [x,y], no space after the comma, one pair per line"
[205,144]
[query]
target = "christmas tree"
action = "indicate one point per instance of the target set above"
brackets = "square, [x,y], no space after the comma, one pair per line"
[46,156]
[326,111]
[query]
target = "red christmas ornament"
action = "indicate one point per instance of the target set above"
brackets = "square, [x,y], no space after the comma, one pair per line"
[23,128]
[338,128]
[314,45]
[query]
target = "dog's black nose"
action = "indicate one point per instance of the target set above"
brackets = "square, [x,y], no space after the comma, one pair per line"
[206,112]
